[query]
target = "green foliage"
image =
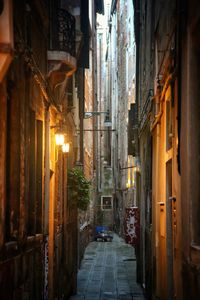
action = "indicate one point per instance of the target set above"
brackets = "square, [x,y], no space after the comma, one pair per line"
[79,188]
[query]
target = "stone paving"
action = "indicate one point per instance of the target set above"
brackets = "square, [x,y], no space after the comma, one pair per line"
[108,272]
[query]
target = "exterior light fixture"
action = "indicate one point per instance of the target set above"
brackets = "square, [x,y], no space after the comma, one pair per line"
[90,114]
[128,184]
[59,139]
[65,148]
[107,121]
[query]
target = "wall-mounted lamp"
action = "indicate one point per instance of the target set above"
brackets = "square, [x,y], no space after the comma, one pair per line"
[65,148]
[107,121]
[90,114]
[59,139]
[128,184]
[59,134]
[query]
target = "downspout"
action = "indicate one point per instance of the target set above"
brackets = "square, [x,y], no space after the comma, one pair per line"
[46,171]
[94,99]
[137,29]
[168,81]
[169,248]
[100,109]
[180,32]
[46,201]
[81,115]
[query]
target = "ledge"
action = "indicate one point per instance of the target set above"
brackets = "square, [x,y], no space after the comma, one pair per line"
[5,61]
[195,254]
[11,246]
[60,64]
[55,55]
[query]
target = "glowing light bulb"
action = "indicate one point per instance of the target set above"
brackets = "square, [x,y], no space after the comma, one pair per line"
[59,139]
[65,148]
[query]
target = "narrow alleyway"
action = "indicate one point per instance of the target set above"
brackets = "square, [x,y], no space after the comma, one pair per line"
[108,272]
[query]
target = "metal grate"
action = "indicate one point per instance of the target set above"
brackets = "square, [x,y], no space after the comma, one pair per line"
[63,38]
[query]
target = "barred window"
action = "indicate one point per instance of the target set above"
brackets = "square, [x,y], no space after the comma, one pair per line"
[106,202]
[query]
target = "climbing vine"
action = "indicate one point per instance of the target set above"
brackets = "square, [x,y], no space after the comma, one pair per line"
[79,188]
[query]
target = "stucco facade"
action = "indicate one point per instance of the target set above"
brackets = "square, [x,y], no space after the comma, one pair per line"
[166,96]
[44,44]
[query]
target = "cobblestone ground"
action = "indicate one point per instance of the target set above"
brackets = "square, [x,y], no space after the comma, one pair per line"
[108,272]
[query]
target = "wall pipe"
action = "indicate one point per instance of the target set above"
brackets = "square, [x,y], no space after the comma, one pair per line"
[47,169]
[168,81]
[46,201]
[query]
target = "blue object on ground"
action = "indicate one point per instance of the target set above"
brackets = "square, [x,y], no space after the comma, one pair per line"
[101,228]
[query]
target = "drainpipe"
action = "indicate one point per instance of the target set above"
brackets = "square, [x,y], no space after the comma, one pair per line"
[168,81]
[170,271]
[81,113]
[46,200]
[47,171]
[156,212]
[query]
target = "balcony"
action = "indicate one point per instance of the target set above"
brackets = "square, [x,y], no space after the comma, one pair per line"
[62,52]
[6,38]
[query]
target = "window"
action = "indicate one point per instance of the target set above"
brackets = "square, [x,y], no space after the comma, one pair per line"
[32,174]
[106,202]
[35,192]
[12,164]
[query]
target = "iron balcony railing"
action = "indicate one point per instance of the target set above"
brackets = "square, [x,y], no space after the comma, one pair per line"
[63,32]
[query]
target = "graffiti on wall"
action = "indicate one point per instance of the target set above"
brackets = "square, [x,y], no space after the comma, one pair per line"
[46,267]
[132,225]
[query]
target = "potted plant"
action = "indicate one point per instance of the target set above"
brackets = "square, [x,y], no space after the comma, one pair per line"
[78,188]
